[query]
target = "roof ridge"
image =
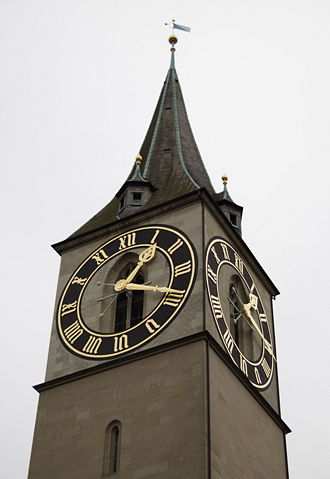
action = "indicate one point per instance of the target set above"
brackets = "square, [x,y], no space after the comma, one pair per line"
[177,133]
[154,136]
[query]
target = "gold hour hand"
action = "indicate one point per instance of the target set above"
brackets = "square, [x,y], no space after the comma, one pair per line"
[247,308]
[144,287]
[144,257]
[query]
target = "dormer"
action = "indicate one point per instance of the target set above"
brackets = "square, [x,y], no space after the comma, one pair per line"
[231,210]
[135,192]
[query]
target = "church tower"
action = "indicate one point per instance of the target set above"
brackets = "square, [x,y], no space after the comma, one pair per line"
[162,358]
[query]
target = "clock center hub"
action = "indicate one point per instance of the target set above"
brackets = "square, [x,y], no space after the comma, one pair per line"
[120,285]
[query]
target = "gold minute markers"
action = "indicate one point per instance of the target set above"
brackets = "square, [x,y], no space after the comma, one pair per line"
[176,283]
[219,253]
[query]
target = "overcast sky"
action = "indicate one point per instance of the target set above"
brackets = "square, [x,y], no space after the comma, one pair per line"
[79,81]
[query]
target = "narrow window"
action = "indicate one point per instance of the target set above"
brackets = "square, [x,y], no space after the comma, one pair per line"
[240,326]
[121,312]
[112,449]
[137,198]
[137,304]
[129,304]
[235,314]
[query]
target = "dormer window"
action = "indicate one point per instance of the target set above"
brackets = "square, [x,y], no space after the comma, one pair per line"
[137,198]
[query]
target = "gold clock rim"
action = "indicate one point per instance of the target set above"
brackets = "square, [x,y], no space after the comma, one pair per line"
[254,364]
[157,331]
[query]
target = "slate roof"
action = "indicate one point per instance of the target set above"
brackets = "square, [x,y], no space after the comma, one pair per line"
[171,161]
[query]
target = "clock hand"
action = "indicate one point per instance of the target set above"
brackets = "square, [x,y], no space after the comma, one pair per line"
[233,289]
[108,306]
[246,309]
[113,299]
[240,313]
[251,304]
[232,302]
[144,287]
[144,257]
[256,327]
[106,297]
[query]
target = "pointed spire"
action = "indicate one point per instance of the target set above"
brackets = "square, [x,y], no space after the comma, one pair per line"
[170,164]
[171,160]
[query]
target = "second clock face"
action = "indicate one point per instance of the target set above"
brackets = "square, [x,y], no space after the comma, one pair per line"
[239,313]
[126,292]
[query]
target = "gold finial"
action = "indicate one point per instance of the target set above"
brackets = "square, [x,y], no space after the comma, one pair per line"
[173,40]
[138,160]
[224,179]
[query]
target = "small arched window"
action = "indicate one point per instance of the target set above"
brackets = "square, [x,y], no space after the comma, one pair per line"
[235,313]
[240,328]
[129,304]
[112,449]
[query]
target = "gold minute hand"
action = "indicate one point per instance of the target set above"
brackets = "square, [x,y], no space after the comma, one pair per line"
[247,308]
[145,287]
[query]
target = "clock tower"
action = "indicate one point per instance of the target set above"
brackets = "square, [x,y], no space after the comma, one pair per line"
[162,359]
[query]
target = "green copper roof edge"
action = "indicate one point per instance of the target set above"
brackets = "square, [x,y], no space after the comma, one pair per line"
[226,195]
[177,134]
[154,136]
[137,174]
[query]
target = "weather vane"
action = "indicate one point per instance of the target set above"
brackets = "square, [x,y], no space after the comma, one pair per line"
[176,26]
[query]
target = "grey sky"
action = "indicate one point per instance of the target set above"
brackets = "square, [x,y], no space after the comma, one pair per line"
[79,81]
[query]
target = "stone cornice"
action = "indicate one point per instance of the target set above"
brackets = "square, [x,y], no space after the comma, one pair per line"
[202,336]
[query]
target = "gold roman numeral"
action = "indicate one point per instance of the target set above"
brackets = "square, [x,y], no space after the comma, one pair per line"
[183,268]
[121,343]
[265,366]
[228,341]
[269,347]
[243,365]
[239,263]
[262,317]
[151,325]
[256,372]
[225,250]
[73,332]
[216,307]
[127,240]
[80,281]
[155,236]
[211,274]
[92,345]
[215,255]
[175,246]
[174,299]
[68,308]
[100,256]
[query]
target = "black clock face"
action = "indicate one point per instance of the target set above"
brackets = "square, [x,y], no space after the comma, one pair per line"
[137,310]
[239,313]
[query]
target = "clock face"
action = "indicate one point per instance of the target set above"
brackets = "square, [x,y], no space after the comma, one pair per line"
[239,313]
[126,292]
